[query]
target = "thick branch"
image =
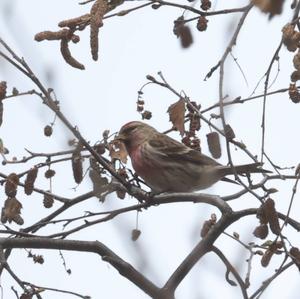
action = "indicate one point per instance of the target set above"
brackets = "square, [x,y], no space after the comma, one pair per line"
[124,268]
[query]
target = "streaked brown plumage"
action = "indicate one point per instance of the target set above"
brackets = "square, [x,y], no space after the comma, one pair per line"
[167,165]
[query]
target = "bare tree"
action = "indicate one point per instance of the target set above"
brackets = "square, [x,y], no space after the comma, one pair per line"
[109,174]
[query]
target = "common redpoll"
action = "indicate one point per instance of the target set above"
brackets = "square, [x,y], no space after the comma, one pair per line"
[167,165]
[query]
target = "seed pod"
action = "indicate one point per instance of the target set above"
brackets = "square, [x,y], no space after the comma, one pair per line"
[186,37]
[100,148]
[294,93]
[272,216]
[140,102]
[266,258]
[135,233]
[37,258]
[48,131]
[194,123]
[229,133]
[236,235]
[121,194]
[205,4]
[202,24]
[15,92]
[213,141]
[30,179]
[295,253]
[156,6]
[66,54]
[11,185]
[139,108]
[183,32]
[98,10]
[261,231]
[296,61]
[48,201]
[72,23]
[1,112]
[290,37]
[295,76]
[195,144]
[3,87]
[146,114]
[52,35]
[77,164]
[49,173]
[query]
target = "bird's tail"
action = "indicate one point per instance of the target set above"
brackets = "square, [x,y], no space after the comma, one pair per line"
[242,169]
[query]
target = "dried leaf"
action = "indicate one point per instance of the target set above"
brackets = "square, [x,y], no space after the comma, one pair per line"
[117,151]
[100,184]
[12,211]
[176,113]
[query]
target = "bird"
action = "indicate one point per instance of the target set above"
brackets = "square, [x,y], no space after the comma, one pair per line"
[166,165]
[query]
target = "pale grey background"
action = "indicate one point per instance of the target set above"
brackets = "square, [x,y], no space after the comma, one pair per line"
[103,97]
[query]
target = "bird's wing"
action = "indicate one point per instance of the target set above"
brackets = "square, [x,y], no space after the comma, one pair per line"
[174,150]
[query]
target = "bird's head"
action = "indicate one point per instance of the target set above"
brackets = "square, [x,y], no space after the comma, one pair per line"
[134,134]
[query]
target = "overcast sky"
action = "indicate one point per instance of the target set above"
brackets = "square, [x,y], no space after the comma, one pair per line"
[104,97]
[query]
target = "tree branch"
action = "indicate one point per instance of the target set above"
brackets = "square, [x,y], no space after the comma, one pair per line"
[124,268]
